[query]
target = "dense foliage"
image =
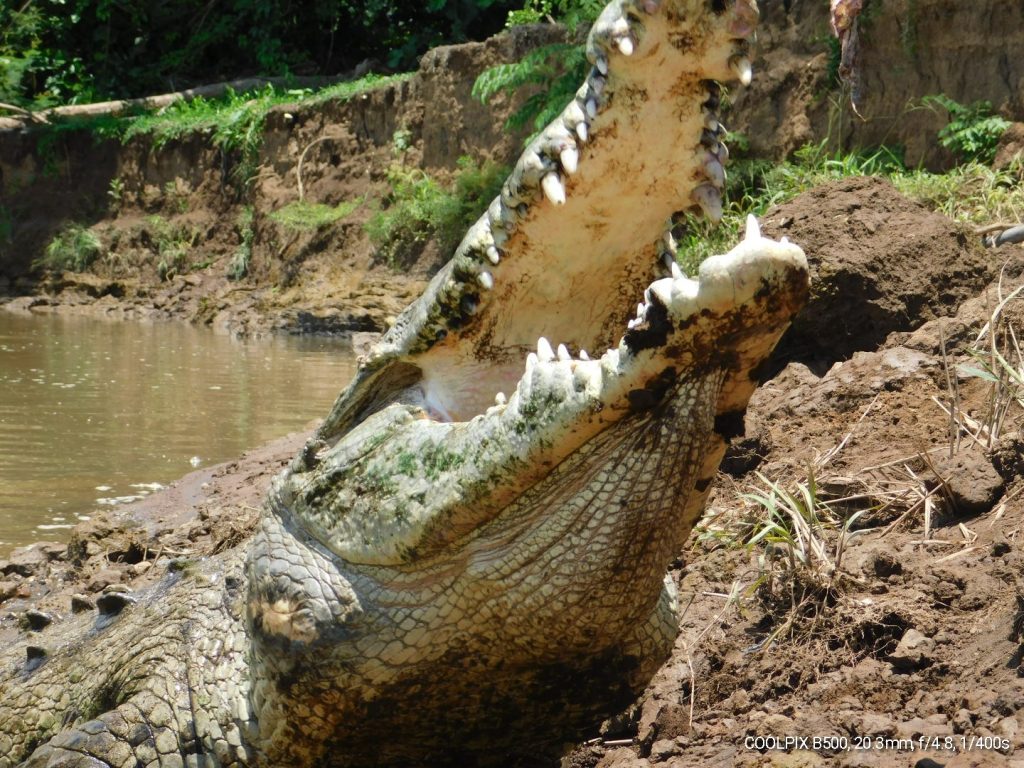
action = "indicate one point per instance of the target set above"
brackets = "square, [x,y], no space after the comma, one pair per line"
[552,73]
[77,51]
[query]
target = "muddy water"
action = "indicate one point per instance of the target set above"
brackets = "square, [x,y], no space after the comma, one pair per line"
[96,413]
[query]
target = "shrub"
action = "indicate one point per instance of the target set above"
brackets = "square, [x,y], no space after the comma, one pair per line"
[419,209]
[973,132]
[74,248]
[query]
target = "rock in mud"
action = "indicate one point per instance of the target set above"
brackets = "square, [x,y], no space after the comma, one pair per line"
[971,482]
[913,652]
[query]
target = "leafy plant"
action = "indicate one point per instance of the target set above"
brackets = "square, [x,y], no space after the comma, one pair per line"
[74,51]
[551,72]
[173,244]
[74,248]
[419,208]
[973,132]
[242,257]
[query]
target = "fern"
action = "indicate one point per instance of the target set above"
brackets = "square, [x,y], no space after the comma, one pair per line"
[553,72]
[973,132]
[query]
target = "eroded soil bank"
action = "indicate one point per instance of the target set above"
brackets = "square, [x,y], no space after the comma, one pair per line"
[180,204]
[905,650]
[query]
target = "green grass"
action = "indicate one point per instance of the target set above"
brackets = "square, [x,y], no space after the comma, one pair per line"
[242,257]
[174,243]
[74,248]
[301,216]
[234,122]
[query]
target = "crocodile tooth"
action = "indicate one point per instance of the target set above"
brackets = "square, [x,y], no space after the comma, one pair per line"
[581,131]
[641,311]
[563,353]
[486,280]
[500,399]
[626,46]
[531,363]
[570,159]
[610,359]
[584,355]
[601,62]
[741,67]
[711,121]
[722,152]
[493,255]
[591,107]
[677,273]
[597,85]
[544,351]
[553,188]
[744,18]
[574,113]
[714,170]
[619,27]
[710,201]
[753,228]
[784,240]
[632,324]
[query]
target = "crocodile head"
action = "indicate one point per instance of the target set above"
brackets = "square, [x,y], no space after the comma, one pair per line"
[470,557]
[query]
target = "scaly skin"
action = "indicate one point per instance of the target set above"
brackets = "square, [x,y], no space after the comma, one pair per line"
[447,576]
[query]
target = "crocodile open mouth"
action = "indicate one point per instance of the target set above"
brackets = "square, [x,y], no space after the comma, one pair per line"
[580,228]
[563,311]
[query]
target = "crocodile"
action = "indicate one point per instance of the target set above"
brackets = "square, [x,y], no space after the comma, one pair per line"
[466,564]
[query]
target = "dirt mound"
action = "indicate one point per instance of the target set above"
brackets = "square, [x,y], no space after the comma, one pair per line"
[879,263]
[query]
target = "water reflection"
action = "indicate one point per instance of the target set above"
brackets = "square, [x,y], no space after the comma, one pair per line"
[96,413]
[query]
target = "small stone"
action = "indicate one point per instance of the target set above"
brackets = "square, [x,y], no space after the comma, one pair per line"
[24,561]
[885,564]
[873,724]
[81,604]
[103,579]
[664,749]
[112,603]
[972,483]
[919,726]
[913,651]
[35,655]
[37,620]
[962,721]
[1007,727]
[8,589]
